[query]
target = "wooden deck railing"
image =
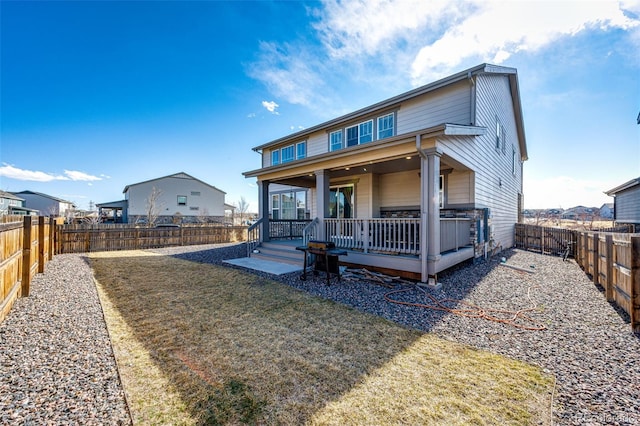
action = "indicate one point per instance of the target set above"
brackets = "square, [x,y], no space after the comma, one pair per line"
[286,229]
[26,245]
[397,236]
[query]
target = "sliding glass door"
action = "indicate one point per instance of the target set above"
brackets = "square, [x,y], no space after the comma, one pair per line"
[341,202]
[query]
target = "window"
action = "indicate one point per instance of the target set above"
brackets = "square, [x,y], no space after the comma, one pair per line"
[341,202]
[301,204]
[289,205]
[195,193]
[513,160]
[441,192]
[352,136]
[335,140]
[275,206]
[182,200]
[366,131]
[287,154]
[498,133]
[275,157]
[301,150]
[194,208]
[385,126]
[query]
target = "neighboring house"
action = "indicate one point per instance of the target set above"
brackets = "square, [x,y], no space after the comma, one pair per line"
[416,183]
[179,198]
[579,213]
[46,205]
[626,202]
[13,205]
[606,211]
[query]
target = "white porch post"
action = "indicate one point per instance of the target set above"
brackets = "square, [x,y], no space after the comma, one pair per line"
[424,223]
[433,199]
[263,202]
[322,199]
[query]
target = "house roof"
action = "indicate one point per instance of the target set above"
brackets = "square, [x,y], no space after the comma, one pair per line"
[623,187]
[180,175]
[463,75]
[60,200]
[9,195]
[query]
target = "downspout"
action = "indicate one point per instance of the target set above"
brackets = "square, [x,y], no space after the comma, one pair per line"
[424,244]
[472,99]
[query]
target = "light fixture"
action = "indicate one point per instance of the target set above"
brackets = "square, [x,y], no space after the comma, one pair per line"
[347,168]
[408,158]
[364,169]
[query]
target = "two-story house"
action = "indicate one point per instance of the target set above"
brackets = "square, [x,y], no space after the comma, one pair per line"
[416,183]
[46,205]
[177,198]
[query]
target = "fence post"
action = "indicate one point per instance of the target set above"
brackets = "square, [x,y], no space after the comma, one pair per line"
[41,247]
[52,233]
[635,284]
[608,287]
[596,258]
[26,256]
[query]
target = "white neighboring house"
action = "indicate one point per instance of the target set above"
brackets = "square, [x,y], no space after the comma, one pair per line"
[181,198]
[46,205]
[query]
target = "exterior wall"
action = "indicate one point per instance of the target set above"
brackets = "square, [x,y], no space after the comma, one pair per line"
[627,205]
[45,205]
[451,104]
[400,189]
[459,189]
[496,186]
[210,200]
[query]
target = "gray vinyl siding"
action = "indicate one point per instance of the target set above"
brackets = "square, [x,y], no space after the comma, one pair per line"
[496,186]
[451,104]
[627,205]
[459,189]
[399,189]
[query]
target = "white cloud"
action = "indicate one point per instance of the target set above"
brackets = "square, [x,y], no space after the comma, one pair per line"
[271,106]
[12,172]
[385,43]
[498,29]
[289,72]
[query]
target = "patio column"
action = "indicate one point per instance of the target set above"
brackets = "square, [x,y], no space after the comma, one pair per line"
[263,202]
[322,199]
[433,200]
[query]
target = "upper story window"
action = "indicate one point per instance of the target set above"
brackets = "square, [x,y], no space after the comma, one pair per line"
[335,140]
[501,143]
[385,126]
[301,150]
[182,200]
[287,154]
[367,131]
[195,193]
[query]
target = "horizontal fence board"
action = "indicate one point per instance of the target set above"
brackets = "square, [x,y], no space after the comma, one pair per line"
[114,237]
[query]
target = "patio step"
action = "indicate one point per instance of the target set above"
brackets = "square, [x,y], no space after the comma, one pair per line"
[279,253]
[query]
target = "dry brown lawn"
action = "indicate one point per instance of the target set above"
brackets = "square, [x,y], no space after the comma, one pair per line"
[203,344]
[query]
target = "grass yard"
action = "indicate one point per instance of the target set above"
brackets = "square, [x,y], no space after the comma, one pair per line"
[203,344]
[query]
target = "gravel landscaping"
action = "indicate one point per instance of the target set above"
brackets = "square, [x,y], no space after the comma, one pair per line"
[57,365]
[56,362]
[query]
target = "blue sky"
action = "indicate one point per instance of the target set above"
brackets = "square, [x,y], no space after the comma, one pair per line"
[99,95]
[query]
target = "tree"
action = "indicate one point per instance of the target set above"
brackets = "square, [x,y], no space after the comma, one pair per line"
[242,206]
[153,206]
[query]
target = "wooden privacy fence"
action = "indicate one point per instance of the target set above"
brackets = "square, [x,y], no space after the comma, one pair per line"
[544,240]
[26,245]
[92,238]
[613,261]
